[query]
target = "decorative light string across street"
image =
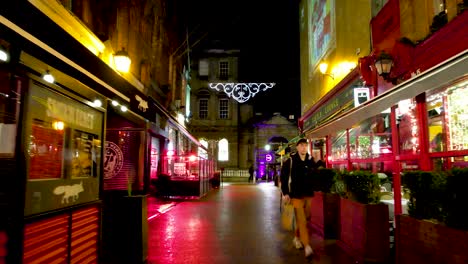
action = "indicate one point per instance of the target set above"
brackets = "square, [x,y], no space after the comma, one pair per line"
[241,92]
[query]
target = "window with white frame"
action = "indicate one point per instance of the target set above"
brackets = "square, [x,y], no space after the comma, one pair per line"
[223,150]
[203,108]
[223,108]
[203,69]
[223,70]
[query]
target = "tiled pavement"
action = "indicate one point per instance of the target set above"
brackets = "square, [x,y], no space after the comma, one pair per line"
[238,223]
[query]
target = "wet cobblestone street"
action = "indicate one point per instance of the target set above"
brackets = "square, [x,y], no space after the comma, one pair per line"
[239,223]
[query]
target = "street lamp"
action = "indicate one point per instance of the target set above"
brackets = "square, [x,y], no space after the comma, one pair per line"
[267,147]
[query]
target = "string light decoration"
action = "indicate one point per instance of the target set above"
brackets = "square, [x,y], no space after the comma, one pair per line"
[241,92]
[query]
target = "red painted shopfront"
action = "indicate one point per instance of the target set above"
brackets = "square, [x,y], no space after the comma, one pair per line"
[415,118]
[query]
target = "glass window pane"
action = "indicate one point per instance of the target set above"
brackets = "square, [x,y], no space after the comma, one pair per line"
[9,105]
[442,164]
[223,70]
[203,108]
[407,127]
[85,150]
[371,138]
[223,108]
[223,153]
[45,151]
[338,146]
[448,118]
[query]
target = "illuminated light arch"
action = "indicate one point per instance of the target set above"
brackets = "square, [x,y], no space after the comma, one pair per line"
[241,92]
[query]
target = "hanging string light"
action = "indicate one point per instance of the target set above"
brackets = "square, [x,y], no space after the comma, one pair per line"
[241,92]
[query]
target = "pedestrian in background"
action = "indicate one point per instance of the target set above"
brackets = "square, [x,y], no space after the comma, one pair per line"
[251,173]
[297,188]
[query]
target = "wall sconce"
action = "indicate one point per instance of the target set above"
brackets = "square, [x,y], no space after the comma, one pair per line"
[122,61]
[48,77]
[3,54]
[323,69]
[384,64]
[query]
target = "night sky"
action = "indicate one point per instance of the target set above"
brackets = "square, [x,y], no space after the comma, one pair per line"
[267,33]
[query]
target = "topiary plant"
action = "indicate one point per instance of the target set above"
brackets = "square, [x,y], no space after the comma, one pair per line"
[427,194]
[364,186]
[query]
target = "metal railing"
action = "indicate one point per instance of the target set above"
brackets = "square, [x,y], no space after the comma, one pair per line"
[235,173]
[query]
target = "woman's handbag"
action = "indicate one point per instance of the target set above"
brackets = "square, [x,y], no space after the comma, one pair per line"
[288,216]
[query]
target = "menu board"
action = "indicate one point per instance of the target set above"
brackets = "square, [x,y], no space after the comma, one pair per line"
[83,164]
[180,168]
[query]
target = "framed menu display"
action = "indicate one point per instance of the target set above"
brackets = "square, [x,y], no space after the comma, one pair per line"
[63,141]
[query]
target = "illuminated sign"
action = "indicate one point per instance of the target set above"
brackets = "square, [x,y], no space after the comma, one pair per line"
[268,157]
[361,95]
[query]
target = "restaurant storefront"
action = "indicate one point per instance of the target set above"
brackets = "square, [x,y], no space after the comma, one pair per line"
[68,141]
[417,124]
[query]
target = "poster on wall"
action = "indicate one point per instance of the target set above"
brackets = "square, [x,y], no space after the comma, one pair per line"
[322,37]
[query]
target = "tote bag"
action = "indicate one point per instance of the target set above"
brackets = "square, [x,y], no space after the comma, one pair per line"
[288,217]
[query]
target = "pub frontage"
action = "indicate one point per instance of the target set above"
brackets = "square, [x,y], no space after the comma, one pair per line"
[412,119]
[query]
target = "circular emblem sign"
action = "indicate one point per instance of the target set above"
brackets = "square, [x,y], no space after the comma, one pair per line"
[113,160]
[268,157]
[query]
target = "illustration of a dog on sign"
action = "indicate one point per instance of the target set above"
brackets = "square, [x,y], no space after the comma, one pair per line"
[69,191]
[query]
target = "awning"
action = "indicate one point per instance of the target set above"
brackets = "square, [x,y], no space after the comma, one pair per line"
[438,76]
[290,142]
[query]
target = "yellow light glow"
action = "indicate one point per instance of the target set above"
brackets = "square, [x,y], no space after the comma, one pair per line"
[323,67]
[48,77]
[3,55]
[122,61]
[58,125]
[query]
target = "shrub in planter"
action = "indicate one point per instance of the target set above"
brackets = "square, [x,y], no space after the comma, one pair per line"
[363,186]
[427,194]
[456,204]
[364,221]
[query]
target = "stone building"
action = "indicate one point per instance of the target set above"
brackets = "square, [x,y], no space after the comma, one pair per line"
[217,120]
[270,135]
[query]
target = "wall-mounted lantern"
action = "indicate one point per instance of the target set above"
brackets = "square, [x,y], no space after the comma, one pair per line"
[122,61]
[384,64]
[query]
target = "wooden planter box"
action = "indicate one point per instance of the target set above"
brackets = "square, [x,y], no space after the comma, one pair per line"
[365,230]
[420,241]
[325,215]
